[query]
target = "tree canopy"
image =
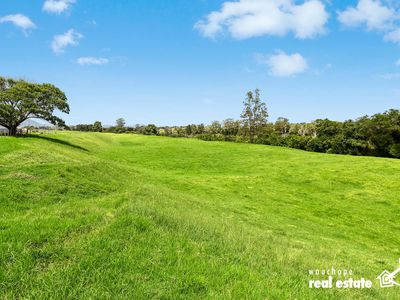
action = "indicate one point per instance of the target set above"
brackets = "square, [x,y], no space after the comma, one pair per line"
[120,122]
[254,114]
[97,126]
[21,100]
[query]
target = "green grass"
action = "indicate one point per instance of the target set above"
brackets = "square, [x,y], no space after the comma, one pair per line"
[98,216]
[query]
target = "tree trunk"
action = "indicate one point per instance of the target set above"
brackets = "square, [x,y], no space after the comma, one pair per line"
[252,133]
[12,131]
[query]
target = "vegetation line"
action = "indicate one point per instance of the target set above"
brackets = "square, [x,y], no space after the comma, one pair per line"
[377,135]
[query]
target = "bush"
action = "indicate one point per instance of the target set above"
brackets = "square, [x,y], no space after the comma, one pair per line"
[296,141]
[272,139]
[211,137]
[395,150]
[318,145]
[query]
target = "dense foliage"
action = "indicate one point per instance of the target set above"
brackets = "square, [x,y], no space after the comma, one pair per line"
[21,100]
[378,135]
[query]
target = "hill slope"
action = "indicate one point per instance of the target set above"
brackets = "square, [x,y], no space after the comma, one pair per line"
[105,216]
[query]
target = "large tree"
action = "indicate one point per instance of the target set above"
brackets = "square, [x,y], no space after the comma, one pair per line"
[21,100]
[120,122]
[254,114]
[97,126]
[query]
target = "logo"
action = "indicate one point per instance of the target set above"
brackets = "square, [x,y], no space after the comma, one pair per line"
[387,279]
[336,279]
[345,279]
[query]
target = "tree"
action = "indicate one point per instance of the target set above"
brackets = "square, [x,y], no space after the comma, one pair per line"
[21,100]
[307,129]
[97,126]
[327,128]
[120,122]
[215,127]
[190,129]
[382,132]
[201,129]
[151,129]
[255,114]
[231,127]
[282,126]
[83,127]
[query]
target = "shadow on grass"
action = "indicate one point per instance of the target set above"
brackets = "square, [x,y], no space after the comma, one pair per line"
[57,141]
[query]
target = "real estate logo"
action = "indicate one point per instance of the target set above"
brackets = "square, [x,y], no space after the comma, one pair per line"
[387,279]
[337,278]
[345,279]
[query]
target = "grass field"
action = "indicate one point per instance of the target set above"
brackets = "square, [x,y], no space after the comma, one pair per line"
[97,216]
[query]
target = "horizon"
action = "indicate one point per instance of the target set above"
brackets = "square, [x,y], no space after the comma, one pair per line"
[176,63]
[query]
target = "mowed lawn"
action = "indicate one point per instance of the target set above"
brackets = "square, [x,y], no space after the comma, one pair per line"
[103,216]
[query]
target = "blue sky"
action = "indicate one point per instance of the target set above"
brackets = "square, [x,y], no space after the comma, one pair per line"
[180,61]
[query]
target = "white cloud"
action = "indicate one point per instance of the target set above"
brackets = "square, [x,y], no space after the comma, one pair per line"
[375,15]
[249,18]
[398,62]
[92,61]
[57,6]
[21,21]
[393,36]
[372,13]
[284,65]
[70,38]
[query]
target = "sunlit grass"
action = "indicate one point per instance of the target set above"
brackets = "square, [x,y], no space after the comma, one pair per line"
[122,216]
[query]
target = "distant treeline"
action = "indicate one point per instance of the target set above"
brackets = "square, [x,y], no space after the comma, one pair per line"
[377,135]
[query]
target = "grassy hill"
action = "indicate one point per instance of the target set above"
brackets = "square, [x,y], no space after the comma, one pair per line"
[104,216]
